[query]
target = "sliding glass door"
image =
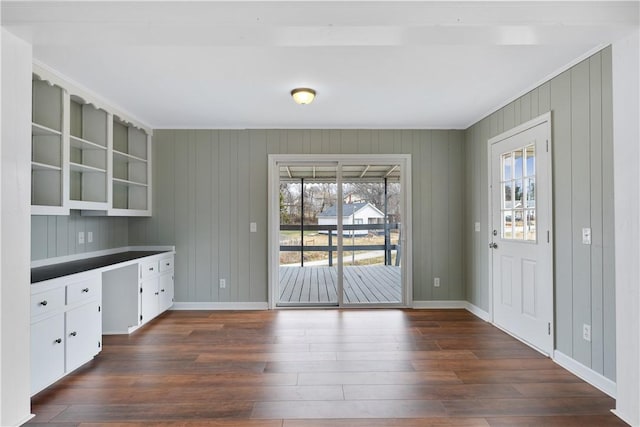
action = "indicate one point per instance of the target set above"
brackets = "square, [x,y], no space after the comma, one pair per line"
[340,236]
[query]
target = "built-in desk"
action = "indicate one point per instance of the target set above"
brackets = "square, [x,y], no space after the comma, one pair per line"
[53,271]
[75,299]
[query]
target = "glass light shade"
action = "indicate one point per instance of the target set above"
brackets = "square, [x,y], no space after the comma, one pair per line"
[303,95]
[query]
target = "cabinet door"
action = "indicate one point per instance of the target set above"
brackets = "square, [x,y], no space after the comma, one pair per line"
[149,301]
[47,352]
[83,334]
[166,291]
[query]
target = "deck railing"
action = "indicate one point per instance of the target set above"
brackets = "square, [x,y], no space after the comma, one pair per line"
[331,230]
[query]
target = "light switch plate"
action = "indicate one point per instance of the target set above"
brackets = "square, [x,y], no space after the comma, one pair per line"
[436,282]
[477,227]
[586,236]
[89,236]
[81,237]
[253,227]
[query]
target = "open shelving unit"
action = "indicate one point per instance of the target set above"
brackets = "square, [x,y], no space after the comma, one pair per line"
[48,177]
[85,155]
[88,146]
[131,193]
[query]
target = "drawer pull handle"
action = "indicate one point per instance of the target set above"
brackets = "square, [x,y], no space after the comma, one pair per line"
[150,268]
[58,341]
[85,290]
[73,334]
[157,293]
[44,302]
[161,290]
[168,264]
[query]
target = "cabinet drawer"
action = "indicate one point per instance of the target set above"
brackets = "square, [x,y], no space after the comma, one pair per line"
[46,302]
[149,269]
[84,290]
[166,264]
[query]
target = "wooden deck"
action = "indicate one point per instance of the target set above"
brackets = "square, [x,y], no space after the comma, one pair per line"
[318,285]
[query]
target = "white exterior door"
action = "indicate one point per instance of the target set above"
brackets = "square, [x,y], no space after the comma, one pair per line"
[521,239]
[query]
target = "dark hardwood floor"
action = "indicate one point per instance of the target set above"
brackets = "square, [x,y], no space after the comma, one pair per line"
[312,368]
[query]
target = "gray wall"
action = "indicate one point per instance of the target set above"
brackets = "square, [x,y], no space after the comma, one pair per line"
[208,185]
[53,236]
[581,105]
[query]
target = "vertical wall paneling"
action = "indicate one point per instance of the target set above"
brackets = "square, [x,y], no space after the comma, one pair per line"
[242,260]
[203,204]
[181,165]
[581,212]
[214,190]
[220,177]
[258,266]
[55,236]
[454,199]
[440,210]
[581,106]
[560,100]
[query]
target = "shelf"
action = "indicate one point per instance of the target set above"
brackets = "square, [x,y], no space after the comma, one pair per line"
[83,144]
[77,167]
[120,156]
[126,183]
[35,166]
[40,130]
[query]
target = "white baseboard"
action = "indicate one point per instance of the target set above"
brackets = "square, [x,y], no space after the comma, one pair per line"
[440,304]
[220,306]
[474,309]
[592,377]
[456,304]
[619,415]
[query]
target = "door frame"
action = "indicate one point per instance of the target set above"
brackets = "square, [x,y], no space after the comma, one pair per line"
[273,247]
[544,118]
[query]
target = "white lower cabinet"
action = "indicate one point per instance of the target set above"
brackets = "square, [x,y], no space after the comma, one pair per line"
[84,334]
[166,290]
[156,288]
[47,351]
[149,307]
[66,326]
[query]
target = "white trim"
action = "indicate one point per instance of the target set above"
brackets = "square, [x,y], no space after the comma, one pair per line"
[24,421]
[45,72]
[474,309]
[539,83]
[587,374]
[621,416]
[220,306]
[454,304]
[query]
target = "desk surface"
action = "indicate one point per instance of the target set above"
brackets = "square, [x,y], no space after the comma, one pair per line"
[53,271]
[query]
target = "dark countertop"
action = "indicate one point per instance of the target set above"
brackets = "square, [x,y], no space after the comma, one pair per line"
[54,271]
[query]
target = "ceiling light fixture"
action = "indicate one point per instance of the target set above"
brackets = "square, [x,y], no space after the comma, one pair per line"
[303,95]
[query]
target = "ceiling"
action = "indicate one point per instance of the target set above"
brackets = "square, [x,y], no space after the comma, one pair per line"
[374,64]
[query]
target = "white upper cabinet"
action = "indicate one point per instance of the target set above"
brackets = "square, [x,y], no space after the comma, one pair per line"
[85,154]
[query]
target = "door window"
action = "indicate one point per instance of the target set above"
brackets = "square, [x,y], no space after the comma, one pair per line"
[518,187]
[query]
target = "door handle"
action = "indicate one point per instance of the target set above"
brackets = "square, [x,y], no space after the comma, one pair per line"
[493,245]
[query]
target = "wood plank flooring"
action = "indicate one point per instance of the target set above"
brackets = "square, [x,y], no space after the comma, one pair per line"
[362,284]
[297,368]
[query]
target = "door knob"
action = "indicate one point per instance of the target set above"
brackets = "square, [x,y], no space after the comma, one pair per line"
[493,245]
